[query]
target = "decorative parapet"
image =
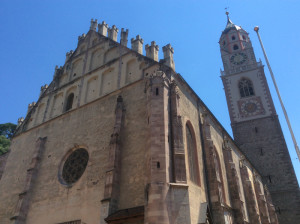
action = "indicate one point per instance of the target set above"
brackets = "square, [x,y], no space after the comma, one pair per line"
[102,28]
[30,106]
[69,54]
[20,121]
[57,71]
[241,68]
[124,37]
[81,37]
[168,56]
[152,51]
[113,33]
[43,89]
[137,44]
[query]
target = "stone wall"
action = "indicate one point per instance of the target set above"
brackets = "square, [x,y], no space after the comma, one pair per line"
[263,143]
[89,127]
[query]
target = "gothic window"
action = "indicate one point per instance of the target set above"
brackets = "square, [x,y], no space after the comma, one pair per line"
[246,88]
[219,176]
[69,102]
[192,155]
[233,37]
[74,166]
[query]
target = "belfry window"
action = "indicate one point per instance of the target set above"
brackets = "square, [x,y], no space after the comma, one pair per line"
[69,102]
[235,47]
[246,88]
[192,156]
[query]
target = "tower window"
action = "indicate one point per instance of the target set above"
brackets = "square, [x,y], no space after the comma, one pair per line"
[156,91]
[244,38]
[224,43]
[235,47]
[69,102]
[246,88]
[233,37]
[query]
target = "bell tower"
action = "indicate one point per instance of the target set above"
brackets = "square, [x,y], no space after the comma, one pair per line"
[255,125]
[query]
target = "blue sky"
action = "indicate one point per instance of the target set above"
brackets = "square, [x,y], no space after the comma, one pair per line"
[35,36]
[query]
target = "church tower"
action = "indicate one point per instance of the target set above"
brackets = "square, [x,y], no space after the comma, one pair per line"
[254,121]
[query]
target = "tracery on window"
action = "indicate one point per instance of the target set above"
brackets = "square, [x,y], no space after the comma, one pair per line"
[192,156]
[246,88]
[74,166]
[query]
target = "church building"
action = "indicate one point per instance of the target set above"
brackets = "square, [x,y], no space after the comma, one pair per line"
[119,137]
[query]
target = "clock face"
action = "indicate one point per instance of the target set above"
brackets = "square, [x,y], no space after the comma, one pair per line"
[238,58]
[251,107]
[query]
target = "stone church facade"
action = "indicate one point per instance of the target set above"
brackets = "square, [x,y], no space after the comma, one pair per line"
[119,137]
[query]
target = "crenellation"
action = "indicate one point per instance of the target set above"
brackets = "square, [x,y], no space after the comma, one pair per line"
[30,106]
[43,89]
[20,120]
[94,24]
[68,55]
[152,51]
[80,38]
[124,37]
[168,56]
[113,33]
[137,44]
[102,28]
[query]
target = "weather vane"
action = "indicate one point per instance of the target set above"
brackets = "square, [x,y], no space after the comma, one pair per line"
[227,11]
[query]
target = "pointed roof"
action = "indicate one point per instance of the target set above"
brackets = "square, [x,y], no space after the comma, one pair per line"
[230,25]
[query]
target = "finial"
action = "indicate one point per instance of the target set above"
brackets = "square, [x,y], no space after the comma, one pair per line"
[227,12]
[228,19]
[256,29]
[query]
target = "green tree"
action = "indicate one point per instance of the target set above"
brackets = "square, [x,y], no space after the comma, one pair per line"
[7,129]
[4,144]
[6,132]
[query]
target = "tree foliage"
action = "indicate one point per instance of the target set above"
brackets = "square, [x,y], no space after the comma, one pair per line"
[4,144]
[7,129]
[6,132]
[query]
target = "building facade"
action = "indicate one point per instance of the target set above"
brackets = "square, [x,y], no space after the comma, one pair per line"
[254,121]
[119,137]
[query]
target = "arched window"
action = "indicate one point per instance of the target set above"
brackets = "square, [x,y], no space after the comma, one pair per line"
[219,176]
[235,47]
[69,101]
[192,155]
[246,88]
